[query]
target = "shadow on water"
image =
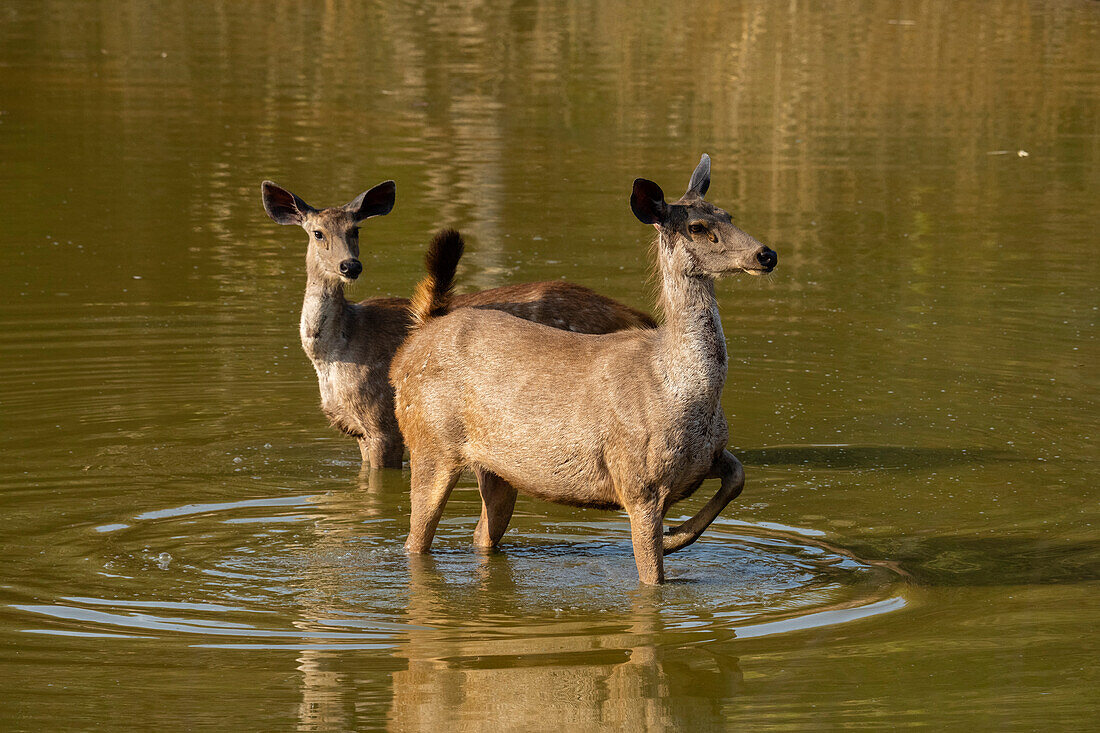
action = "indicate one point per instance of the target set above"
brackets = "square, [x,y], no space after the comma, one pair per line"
[991,561]
[946,560]
[871,457]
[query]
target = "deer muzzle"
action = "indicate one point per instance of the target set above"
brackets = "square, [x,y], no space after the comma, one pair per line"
[351,268]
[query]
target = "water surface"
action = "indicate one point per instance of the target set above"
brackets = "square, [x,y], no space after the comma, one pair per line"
[913,391]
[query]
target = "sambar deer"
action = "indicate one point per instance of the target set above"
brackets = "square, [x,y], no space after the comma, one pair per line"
[629,420]
[351,344]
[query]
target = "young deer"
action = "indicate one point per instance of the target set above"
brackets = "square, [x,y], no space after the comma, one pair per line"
[351,344]
[628,420]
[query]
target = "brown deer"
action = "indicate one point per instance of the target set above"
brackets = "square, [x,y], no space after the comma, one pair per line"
[629,420]
[351,344]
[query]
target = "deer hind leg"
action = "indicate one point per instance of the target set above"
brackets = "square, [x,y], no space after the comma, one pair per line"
[432,481]
[727,468]
[498,499]
[646,525]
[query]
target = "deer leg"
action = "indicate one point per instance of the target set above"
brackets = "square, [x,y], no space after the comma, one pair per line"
[645,536]
[382,451]
[727,468]
[498,499]
[431,485]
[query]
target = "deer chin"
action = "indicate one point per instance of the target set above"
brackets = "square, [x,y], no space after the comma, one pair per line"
[754,271]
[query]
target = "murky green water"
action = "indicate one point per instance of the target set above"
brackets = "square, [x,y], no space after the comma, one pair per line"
[913,392]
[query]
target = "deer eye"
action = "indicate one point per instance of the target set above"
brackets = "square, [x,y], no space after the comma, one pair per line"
[318,234]
[696,228]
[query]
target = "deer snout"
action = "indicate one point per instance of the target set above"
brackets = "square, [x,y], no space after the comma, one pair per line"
[767,258]
[350,268]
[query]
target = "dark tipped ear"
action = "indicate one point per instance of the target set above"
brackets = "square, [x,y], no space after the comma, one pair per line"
[648,202]
[376,202]
[283,206]
[700,179]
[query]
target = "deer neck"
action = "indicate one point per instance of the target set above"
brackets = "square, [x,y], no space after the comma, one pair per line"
[693,346]
[324,312]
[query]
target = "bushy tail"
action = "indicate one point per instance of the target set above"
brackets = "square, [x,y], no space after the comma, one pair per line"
[432,297]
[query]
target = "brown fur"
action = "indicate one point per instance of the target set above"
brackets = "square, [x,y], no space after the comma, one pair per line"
[630,419]
[432,296]
[351,344]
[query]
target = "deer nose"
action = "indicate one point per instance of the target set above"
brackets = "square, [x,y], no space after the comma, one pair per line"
[351,268]
[767,258]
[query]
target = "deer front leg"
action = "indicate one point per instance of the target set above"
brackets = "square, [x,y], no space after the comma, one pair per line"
[727,468]
[645,535]
[431,485]
[498,499]
[382,451]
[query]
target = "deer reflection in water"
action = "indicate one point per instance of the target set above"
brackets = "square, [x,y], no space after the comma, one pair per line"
[547,673]
[489,661]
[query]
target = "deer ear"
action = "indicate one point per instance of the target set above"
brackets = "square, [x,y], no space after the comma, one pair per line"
[648,202]
[700,179]
[376,202]
[283,206]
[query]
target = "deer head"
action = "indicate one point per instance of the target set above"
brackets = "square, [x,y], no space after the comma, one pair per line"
[333,232]
[697,234]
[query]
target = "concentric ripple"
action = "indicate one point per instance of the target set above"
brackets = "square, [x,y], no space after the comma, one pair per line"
[328,571]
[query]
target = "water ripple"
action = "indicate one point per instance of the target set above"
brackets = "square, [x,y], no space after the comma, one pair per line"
[322,580]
